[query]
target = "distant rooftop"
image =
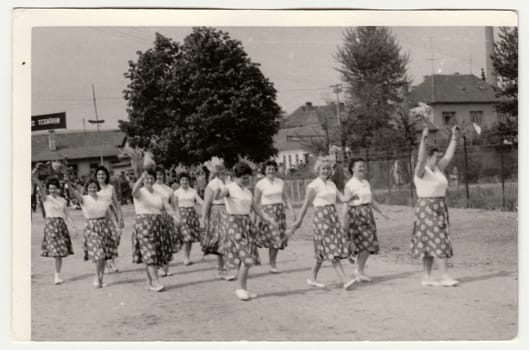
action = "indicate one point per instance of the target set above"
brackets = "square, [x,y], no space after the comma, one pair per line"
[76,145]
[454,88]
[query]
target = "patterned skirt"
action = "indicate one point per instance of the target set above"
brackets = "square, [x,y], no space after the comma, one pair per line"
[172,231]
[112,217]
[240,245]
[150,243]
[99,241]
[190,227]
[56,242]
[431,229]
[270,237]
[362,229]
[330,242]
[214,237]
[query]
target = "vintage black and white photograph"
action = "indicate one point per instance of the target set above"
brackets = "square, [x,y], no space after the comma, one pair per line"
[274,182]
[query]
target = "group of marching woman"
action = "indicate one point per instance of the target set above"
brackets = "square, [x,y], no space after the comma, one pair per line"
[166,220]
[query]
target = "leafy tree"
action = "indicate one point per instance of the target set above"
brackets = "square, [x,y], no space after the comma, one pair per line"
[201,98]
[374,72]
[505,61]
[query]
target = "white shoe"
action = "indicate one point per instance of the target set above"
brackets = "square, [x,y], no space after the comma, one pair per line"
[58,280]
[349,284]
[362,278]
[157,288]
[274,270]
[430,283]
[242,294]
[313,283]
[449,282]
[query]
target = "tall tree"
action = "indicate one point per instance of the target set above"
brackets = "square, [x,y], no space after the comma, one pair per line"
[211,100]
[505,60]
[374,72]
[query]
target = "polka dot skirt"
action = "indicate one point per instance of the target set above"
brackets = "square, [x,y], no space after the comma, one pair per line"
[330,242]
[150,244]
[240,245]
[190,227]
[431,229]
[268,236]
[214,236]
[56,242]
[362,229]
[99,241]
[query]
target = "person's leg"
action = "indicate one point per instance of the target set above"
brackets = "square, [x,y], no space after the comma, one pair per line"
[152,271]
[427,279]
[58,266]
[242,277]
[100,270]
[360,271]
[273,259]
[187,253]
[446,280]
[313,280]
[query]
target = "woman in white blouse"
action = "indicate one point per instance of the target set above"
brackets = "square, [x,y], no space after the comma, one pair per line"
[271,196]
[184,200]
[99,245]
[148,238]
[172,235]
[330,242]
[114,213]
[56,242]
[214,216]
[359,220]
[240,249]
[431,226]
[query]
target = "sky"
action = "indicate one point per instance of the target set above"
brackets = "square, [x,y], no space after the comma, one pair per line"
[300,62]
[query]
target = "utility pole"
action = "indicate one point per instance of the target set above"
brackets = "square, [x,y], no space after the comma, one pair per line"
[432,59]
[97,122]
[337,89]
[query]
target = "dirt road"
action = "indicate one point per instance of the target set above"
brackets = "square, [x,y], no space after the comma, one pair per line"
[198,307]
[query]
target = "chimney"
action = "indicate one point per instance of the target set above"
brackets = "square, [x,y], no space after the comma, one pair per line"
[52,144]
[308,105]
[490,73]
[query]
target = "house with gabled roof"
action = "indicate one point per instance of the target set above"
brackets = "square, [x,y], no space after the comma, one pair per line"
[81,149]
[461,99]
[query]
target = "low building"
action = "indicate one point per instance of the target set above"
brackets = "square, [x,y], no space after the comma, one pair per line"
[82,149]
[461,99]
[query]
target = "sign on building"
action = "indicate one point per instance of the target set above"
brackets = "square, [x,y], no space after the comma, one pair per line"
[48,121]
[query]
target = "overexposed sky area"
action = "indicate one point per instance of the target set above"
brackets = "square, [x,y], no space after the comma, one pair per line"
[300,62]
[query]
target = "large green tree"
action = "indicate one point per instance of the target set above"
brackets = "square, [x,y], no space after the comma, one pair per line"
[505,60]
[203,97]
[374,71]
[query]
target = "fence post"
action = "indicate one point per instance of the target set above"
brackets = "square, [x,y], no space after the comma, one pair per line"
[502,175]
[466,171]
[411,175]
[388,165]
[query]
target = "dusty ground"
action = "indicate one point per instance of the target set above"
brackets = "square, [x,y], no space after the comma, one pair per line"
[198,307]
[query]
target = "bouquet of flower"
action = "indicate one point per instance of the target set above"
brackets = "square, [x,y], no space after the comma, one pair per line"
[422,111]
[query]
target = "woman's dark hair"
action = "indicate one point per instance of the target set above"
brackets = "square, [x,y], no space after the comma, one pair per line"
[53,181]
[105,170]
[160,169]
[151,172]
[242,168]
[430,150]
[206,172]
[352,163]
[268,163]
[91,181]
[182,175]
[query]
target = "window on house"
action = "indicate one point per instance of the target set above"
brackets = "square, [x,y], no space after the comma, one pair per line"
[476,117]
[449,118]
[289,160]
[297,159]
[284,160]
